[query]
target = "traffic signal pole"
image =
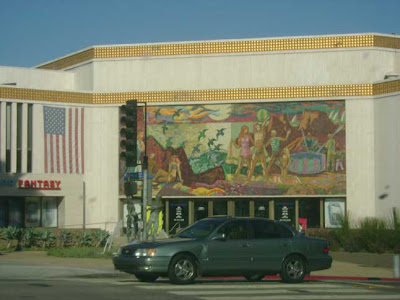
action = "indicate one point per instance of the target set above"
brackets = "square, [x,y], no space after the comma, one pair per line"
[144,170]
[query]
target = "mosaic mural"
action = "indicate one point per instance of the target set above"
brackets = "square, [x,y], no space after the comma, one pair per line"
[291,148]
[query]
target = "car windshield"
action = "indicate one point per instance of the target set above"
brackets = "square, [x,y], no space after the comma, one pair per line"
[200,229]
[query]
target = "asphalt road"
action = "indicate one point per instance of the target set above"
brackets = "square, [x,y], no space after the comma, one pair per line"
[24,281]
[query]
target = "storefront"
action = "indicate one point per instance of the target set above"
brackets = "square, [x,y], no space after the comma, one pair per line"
[41,201]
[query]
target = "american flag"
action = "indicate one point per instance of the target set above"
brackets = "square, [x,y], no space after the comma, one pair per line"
[64,140]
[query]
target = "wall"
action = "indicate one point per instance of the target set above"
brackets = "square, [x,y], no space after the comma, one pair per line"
[296,68]
[101,169]
[37,79]
[387,155]
[360,157]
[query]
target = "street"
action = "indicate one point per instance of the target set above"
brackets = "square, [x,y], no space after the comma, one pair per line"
[31,281]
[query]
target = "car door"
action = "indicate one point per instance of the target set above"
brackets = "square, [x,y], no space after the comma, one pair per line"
[229,255]
[271,242]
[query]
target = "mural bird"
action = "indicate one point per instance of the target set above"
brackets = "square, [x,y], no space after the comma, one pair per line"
[196,149]
[158,113]
[169,142]
[220,132]
[202,134]
[177,113]
[211,142]
[218,147]
[164,128]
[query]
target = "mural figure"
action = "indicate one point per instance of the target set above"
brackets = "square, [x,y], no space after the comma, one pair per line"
[340,160]
[260,131]
[310,143]
[244,142]
[275,143]
[159,175]
[174,169]
[330,146]
[286,160]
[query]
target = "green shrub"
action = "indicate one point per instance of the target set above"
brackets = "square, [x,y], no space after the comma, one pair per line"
[29,237]
[325,233]
[12,233]
[46,238]
[64,238]
[84,239]
[373,235]
[100,237]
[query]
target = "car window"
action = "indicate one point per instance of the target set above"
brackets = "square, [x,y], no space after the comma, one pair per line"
[200,229]
[269,230]
[234,230]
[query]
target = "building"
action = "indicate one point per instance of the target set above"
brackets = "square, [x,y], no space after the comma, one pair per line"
[299,129]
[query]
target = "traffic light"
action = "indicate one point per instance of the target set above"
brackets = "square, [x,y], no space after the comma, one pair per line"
[128,133]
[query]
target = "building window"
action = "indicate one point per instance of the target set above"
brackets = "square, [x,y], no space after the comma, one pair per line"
[220,208]
[309,212]
[261,208]
[30,131]
[242,208]
[8,137]
[200,210]
[19,137]
[285,211]
[29,211]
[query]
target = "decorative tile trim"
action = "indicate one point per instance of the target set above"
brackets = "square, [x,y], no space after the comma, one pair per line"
[46,95]
[219,47]
[320,91]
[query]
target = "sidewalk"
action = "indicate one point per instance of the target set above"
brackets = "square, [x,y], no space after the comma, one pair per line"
[344,264]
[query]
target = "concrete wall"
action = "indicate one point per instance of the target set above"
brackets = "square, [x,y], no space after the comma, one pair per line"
[101,169]
[387,154]
[360,158]
[37,79]
[296,68]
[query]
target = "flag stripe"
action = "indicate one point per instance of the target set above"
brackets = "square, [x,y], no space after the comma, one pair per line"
[58,153]
[51,154]
[64,155]
[82,139]
[45,154]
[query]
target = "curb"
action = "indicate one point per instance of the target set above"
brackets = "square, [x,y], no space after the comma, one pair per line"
[277,277]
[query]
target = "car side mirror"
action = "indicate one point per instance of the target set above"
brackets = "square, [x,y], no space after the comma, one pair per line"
[219,237]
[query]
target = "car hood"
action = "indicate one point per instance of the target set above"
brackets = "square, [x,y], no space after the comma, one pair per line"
[158,243]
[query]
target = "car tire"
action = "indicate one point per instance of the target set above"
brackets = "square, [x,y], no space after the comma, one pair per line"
[294,268]
[146,277]
[182,269]
[254,277]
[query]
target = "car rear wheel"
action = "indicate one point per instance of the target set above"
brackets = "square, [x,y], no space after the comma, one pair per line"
[182,269]
[254,277]
[293,269]
[146,277]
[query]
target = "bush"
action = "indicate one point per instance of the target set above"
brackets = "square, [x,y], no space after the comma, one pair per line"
[64,238]
[47,238]
[325,233]
[373,235]
[84,239]
[10,234]
[30,237]
[100,237]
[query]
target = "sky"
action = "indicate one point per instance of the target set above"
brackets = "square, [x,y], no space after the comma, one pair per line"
[37,31]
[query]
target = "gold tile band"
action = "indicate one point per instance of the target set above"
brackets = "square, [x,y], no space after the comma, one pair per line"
[218,47]
[321,91]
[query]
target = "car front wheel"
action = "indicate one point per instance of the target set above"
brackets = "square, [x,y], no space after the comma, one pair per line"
[293,269]
[182,270]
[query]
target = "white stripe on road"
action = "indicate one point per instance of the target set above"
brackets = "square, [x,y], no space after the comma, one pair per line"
[293,292]
[312,297]
[238,286]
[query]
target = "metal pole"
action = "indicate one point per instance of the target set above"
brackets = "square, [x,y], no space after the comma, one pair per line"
[144,170]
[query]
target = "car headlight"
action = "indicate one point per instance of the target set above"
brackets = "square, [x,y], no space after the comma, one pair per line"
[145,252]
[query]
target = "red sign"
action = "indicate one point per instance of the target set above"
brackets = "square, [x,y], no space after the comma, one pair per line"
[40,184]
[303,223]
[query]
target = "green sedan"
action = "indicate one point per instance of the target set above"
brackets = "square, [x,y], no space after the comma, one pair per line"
[225,246]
